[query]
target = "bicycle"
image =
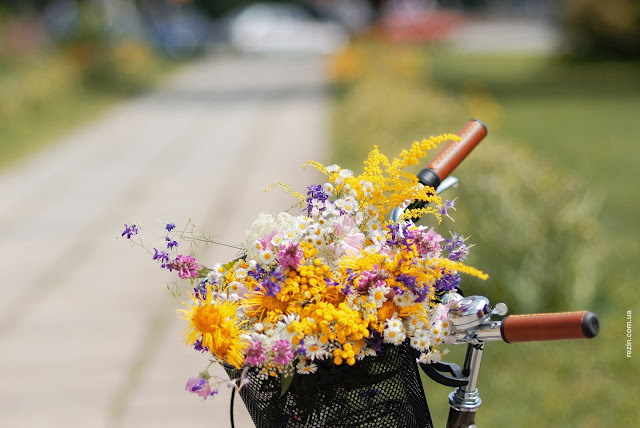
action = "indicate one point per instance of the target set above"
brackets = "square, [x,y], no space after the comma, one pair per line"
[386,391]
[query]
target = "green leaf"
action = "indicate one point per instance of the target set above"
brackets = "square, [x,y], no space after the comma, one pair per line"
[285,382]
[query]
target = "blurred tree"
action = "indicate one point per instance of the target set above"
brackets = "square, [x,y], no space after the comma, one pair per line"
[602,29]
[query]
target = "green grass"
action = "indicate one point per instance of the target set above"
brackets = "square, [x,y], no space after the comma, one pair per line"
[561,160]
[580,116]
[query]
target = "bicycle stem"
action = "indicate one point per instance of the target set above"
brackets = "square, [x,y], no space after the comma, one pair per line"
[465,400]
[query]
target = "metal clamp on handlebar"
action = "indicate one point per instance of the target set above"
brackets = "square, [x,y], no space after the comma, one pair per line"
[470,318]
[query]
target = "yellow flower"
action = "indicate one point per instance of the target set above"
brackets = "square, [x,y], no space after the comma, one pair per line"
[216,324]
[264,307]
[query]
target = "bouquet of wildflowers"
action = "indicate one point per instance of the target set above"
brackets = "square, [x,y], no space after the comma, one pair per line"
[331,284]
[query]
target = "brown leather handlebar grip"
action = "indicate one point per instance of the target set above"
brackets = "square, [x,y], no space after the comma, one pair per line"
[555,326]
[455,151]
[451,155]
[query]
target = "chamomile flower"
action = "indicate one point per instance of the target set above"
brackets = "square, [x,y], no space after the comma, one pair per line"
[328,188]
[316,350]
[350,204]
[366,352]
[345,173]
[304,367]
[331,169]
[378,239]
[431,357]
[421,341]
[403,300]
[237,288]
[367,188]
[266,256]
[394,336]
[377,295]
[394,323]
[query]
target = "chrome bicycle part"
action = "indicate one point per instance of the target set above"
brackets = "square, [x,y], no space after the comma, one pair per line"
[473,311]
[444,185]
[448,182]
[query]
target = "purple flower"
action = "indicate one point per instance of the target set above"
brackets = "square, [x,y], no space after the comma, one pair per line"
[422,291]
[200,385]
[271,286]
[170,226]
[456,247]
[444,209]
[447,282]
[290,255]
[283,352]
[302,350]
[170,243]
[198,346]
[186,266]
[372,278]
[161,256]
[130,230]
[315,193]
[255,354]
[397,231]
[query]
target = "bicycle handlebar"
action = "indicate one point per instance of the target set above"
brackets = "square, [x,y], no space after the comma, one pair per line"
[453,153]
[556,326]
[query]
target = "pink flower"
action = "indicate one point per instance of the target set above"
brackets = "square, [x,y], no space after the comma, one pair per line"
[290,255]
[283,352]
[266,240]
[186,266]
[427,244]
[200,385]
[350,239]
[255,354]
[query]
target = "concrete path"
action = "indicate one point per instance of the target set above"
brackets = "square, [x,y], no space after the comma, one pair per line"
[88,335]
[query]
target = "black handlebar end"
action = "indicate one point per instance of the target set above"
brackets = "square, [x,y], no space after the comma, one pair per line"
[429,178]
[590,325]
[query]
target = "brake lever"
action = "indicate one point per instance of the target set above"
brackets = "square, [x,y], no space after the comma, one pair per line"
[435,372]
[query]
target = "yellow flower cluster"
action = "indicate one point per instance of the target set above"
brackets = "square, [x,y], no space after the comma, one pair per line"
[330,323]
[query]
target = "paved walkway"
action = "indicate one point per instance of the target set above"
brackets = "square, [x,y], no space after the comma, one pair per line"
[88,335]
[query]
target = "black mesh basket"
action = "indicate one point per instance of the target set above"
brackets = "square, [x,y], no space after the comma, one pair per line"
[382,391]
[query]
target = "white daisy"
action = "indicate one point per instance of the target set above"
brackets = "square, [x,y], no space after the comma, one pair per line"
[316,350]
[367,188]
[333,168]
[393,336]
[266,257]
[393,323]
[366,352]
[350,204]
[306,368]
[377,295]
[345,173]
[403,299]
[421,341]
